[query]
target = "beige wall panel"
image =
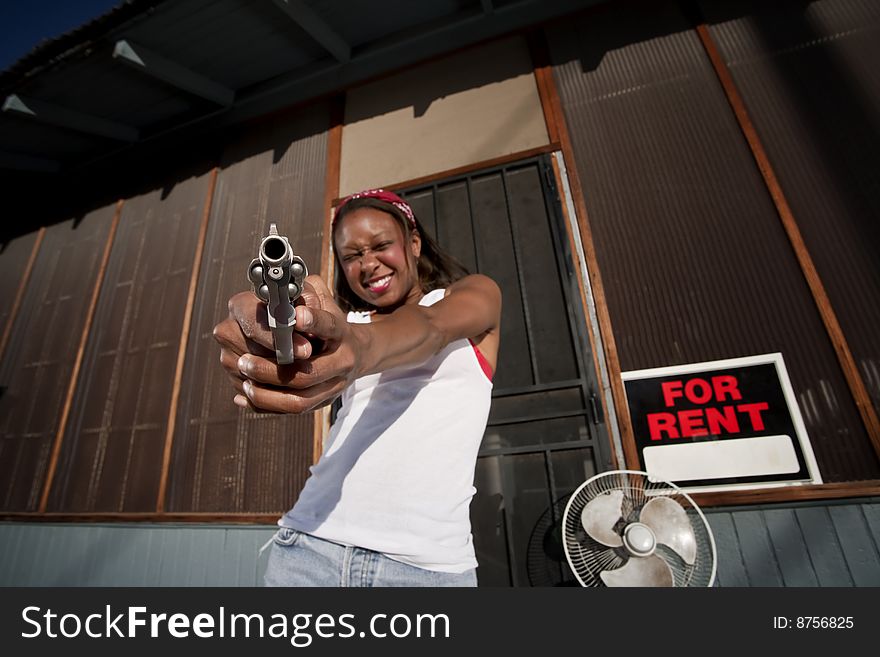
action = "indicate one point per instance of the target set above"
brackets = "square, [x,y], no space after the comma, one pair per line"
[471,107]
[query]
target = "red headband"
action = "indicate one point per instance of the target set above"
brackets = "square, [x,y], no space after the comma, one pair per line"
[380,195]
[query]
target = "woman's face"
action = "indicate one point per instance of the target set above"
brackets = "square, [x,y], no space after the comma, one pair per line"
[379,261]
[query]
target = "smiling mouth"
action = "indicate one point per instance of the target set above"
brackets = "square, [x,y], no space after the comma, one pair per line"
[379,284]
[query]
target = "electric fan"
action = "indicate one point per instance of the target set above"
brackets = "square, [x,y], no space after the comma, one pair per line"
[620,528]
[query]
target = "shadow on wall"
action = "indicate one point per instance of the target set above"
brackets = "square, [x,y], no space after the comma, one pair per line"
[420,87]
[830,97]
[838,112]
[33,200]
[835,107]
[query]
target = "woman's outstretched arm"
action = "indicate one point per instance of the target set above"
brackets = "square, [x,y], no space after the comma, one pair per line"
[407,336]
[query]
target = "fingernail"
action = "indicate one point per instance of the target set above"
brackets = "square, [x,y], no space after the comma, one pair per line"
[247,388]
[243,364]
[240,400]
[304,317]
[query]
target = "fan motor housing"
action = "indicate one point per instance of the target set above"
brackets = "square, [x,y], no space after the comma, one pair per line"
[639,539]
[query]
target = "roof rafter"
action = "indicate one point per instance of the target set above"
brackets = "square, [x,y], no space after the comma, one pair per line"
[62,117]
[317,28]
[169,72]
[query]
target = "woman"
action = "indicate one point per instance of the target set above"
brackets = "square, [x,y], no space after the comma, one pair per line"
[388,502]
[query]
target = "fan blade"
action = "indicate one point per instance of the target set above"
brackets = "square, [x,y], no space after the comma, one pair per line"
[640,571]
[600,515]
[671,526]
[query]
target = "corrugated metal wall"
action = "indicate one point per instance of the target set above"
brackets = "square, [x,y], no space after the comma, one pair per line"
[111,458]
[226,459]
[695,263]
[39,359]
[808,74]
[808,545]
[14,257]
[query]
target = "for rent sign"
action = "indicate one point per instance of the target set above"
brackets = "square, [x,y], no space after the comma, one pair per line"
[724,424]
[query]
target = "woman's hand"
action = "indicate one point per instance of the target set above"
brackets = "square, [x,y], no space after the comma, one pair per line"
[322,367]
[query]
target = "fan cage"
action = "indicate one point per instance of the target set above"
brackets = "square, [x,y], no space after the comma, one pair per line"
[587,557]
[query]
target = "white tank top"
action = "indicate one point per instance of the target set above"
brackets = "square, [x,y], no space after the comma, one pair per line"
[397,471]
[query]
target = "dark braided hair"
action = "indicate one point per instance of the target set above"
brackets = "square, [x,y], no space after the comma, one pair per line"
[435,267]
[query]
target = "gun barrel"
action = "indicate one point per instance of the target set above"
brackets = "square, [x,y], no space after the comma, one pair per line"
[275,251]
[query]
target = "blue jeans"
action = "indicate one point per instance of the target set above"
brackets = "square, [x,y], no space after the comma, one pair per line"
[300,559]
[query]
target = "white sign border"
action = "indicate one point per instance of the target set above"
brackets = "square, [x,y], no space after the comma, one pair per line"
[790,399]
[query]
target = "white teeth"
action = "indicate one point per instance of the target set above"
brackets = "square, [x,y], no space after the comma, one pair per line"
[379,282]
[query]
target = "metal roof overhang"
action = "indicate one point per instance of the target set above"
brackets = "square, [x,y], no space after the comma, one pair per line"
[151,71]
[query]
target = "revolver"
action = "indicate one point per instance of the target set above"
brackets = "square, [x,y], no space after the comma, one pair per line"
[277,276]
